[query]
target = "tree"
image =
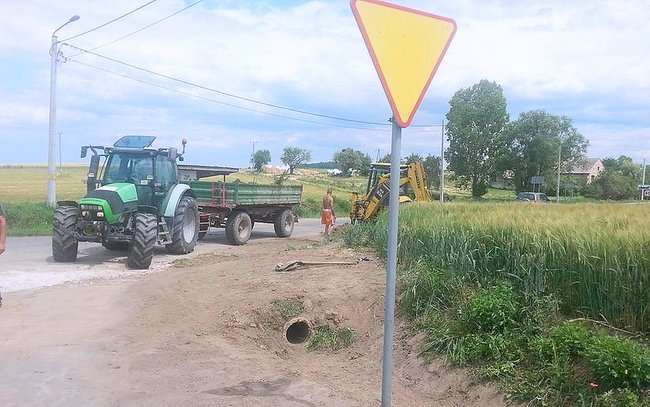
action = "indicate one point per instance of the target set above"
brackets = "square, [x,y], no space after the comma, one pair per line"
[350,159]
[294,156]
[432,169]
[624,165]
[535,139]
[612,185]
[260,159]
[475,131]
[413,157]
[619,180]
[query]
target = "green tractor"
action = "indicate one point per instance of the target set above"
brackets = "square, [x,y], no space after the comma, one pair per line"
[134,202]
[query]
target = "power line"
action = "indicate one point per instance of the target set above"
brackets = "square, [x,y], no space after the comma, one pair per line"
[142,29]
[219,101]
[110,22]
[228,94]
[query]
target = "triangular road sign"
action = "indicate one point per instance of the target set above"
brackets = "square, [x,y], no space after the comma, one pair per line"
[406,47]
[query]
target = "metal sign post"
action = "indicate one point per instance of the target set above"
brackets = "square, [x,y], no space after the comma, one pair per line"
[406,47]
[391,267]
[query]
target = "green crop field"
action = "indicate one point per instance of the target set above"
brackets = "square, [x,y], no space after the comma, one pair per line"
[23,192]
[543,298]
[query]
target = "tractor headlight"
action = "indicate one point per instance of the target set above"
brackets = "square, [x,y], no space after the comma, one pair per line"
[100,214]
[84,213]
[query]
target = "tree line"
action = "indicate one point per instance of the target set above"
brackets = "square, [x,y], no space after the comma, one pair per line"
[485,146]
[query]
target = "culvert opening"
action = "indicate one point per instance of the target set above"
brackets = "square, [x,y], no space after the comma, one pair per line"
[297,330]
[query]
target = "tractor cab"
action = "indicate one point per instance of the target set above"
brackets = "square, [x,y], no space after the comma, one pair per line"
[131,160]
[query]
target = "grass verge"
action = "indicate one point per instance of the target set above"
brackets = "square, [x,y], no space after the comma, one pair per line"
[492,287]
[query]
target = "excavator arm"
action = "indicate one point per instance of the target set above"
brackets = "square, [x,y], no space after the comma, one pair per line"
[377,197]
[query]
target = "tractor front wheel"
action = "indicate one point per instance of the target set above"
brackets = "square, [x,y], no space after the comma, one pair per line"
[145,228]
[64,243]
[185,230]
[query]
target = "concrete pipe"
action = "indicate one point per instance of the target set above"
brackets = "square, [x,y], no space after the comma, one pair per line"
[297,330]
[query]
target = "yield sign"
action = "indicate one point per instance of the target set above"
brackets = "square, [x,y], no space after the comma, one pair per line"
[406,47]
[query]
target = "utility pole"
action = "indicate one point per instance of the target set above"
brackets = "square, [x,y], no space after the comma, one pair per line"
[442,162]
[51,154]
[643,180]
[60,155]
[559,161]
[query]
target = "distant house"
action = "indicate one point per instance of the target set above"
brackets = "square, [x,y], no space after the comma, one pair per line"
[587,169]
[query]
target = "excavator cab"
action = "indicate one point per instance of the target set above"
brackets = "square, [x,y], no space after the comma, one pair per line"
[413,187]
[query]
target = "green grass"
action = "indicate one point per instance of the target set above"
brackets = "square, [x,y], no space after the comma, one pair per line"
[491,285]
[23,193]
[326,337]
[28,218]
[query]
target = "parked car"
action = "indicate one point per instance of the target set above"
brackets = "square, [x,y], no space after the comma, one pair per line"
[532,197]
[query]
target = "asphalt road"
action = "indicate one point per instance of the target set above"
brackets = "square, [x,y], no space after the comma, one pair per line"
[27,263]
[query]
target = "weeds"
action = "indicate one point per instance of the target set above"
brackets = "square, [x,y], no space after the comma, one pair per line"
[334,339]
[491,288]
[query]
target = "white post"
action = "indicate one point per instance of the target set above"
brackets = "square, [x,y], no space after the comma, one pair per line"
[442,163]
[51,152]
[643,180]
[559,160]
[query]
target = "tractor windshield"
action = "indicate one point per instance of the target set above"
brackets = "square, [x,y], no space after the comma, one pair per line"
[129,167]
[139,169]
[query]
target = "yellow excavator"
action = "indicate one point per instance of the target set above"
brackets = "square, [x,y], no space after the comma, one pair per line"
[413,187]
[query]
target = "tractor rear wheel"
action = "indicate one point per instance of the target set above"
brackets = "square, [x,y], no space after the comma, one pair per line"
[283,223]
[238,228]
[185,230]
[145,228]
[64,243]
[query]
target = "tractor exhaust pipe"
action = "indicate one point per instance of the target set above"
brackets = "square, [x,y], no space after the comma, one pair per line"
[297,330]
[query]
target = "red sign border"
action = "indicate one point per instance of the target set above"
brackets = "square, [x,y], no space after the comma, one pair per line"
[362,28]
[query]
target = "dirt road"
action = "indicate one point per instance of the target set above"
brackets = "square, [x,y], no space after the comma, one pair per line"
[198,332]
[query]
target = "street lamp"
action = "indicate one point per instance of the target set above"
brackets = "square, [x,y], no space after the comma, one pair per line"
[51,154]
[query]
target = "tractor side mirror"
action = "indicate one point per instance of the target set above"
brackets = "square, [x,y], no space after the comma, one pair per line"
[84,151]
[184,143]
[91,182]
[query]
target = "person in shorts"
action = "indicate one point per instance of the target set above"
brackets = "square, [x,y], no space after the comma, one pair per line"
[328,218]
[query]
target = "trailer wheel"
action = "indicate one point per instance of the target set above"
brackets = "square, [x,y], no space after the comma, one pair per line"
[64,243]
[238,228]
[185,231]
[144,241]
[283,223]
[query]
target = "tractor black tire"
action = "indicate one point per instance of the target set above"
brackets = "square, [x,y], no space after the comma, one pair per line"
[141,248]
[238,228]
[116,246]
[185,228]
[283,223]
[64,244]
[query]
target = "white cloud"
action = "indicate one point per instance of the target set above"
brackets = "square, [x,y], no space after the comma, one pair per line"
[586,59]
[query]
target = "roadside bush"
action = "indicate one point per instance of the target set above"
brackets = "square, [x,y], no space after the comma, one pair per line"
[491,310]
[618,362]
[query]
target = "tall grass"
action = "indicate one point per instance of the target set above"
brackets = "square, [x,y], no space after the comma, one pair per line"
[595,258]
[28,218]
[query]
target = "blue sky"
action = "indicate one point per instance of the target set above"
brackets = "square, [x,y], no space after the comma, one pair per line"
[589,60]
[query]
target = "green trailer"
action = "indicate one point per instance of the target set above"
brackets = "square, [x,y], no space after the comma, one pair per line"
[237,206]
